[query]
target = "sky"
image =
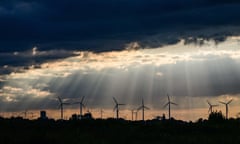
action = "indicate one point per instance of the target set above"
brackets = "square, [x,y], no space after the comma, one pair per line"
[127,49]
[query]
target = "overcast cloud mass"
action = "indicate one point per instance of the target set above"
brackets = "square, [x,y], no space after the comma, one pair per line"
[110,24]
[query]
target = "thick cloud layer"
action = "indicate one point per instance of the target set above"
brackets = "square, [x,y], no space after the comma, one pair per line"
[106,25]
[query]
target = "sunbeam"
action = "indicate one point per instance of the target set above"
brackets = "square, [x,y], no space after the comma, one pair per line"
[189,73]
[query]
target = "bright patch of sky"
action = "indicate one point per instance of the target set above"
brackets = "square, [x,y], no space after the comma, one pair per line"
[190,73]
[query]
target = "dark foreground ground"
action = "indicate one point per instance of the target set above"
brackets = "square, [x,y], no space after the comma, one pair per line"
[19,131]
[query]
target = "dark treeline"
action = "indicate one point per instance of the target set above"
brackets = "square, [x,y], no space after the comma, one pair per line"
[111,131]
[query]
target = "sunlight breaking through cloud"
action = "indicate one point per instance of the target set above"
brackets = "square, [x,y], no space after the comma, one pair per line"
[188,72]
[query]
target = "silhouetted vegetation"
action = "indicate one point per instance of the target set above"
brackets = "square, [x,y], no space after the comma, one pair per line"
[216,116]
[111,131]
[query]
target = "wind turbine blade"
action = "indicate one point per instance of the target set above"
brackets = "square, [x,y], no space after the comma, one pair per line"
[146,107]
[83,105]
[168,98]
[140,108]
[209,103]
[229,101]
[66,103]
[114,109]
[59,99]
[173,103]
[214,105]
[121,104]
[209,110]
[222,102]
[82,99]
[166,105]
[115,100]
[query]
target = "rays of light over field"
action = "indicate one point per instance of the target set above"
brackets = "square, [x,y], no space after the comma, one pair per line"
[189,73]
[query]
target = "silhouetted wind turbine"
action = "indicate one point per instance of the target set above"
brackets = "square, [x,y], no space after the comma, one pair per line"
[32,115]
[136,115]
[133,112]
[101,113]
[61,103]
[169,106]
[143,107]
[226,104]
[25,113]
[116,107]
[210,107]
[81,105]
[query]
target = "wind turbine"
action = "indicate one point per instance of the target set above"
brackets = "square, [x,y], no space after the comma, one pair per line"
[211,107]
[226,104]
[116,107]
[133,112]
[32,114]
[169,106]
[61,103]
[101,113]
[25,113]
[136,115]
[143,107]
[81,105]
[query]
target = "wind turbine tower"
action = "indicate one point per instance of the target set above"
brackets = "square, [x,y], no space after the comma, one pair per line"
[226,104]
[169,106]
[134,112]
[61,103]
[25,113]
[136,115]
[101,113]
[81,106]
[143,107]
[116,107]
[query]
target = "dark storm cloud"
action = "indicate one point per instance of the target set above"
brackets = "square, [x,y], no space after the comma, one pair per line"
[89,24]
[18,61]
[107,25]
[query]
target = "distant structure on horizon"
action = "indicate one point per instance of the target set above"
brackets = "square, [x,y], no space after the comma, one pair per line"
[86,116]
[43,115]
[101,113]
[163,117]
